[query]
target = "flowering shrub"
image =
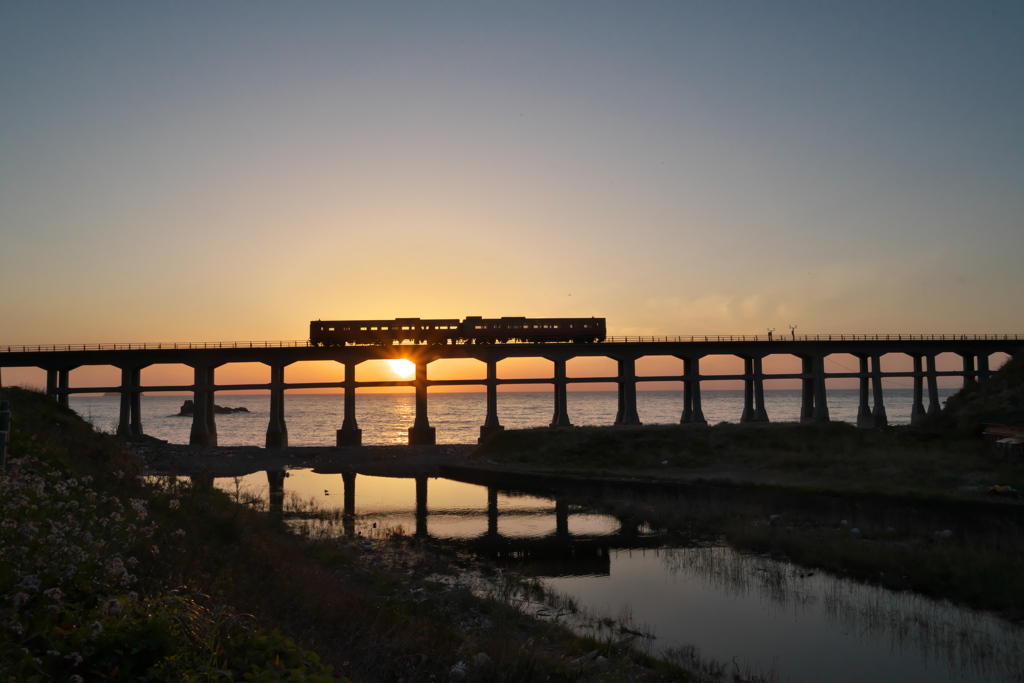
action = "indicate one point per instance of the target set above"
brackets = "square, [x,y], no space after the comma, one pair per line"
[72,604]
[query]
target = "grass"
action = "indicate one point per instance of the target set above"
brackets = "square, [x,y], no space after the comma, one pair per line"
[823,457]
[107,574]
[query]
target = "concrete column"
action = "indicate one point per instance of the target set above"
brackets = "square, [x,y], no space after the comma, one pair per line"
[421,433]
[275,482]
[421,507]
[807,389]
[693,413]
[51,383]
[627,414]
[878,413]
[917,412]
[748,390]
[934,407]
[136,402]
[864,418]
[561,518]
[492,511]
[350,434]
[491,425]
[204,426]
[760,409]
[561,415]
[124,421]
[277,428]
[130,415]
[63,381]
[970,378]
[820,394]
[983,372]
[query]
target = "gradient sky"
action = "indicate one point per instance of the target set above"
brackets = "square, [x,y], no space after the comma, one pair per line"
[197,171]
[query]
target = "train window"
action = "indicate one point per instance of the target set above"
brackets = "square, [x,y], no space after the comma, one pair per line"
[330,329]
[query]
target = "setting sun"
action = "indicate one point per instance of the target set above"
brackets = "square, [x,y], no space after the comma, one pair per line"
[402,368]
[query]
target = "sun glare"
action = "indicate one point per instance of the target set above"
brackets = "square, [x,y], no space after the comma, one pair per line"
[402,368]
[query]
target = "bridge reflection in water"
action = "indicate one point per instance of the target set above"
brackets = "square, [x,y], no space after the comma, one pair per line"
[548,535]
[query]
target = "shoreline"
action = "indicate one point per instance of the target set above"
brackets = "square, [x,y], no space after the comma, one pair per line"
[234,461]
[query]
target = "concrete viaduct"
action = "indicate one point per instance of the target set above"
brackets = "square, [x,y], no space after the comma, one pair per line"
[812,350]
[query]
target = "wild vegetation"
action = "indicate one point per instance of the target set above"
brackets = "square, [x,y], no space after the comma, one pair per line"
[108,574]
[823,457]
[946,467]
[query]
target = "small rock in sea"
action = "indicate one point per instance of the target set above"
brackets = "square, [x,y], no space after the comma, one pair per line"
[945,533]
[855,531]
[844,522]
[664,462]
[774,517]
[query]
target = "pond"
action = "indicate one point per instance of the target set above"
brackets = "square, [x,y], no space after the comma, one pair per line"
[752,614]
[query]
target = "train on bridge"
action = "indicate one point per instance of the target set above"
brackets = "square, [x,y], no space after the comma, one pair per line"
[472,330]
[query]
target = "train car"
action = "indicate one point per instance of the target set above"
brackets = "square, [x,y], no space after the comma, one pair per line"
[472,330]
[383,332]
[478,330]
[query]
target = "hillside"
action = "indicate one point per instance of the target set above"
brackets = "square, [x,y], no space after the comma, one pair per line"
[1000,397]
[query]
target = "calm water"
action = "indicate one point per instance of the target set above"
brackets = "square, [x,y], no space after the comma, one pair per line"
[763,614]
[385,418]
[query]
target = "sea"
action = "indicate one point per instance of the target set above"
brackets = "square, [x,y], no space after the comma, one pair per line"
[385,418]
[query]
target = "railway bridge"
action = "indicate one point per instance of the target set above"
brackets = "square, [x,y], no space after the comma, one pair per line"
[812,350]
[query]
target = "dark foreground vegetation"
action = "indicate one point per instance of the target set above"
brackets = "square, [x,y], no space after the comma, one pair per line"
[106,574]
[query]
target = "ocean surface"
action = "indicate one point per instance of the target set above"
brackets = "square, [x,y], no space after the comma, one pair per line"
[313,419]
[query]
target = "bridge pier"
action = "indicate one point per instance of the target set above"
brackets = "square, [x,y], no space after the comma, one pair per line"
[934,407]
[130,416]
[878,415]
[983,372]
[970,377]
[63,381]
[864,418]
[204,425]
[491,425]
[814,401]
[627,414]
[350,434]
[753,391]
[277,429]
[693,413]
[917,412]
[561,415]
[421,433]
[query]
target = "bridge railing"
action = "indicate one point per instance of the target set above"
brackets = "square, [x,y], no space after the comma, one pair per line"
[813,337]
[155,346]
[630,339]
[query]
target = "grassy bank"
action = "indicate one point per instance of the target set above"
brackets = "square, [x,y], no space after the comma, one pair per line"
[981,568]
[107,574]
[825,457]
